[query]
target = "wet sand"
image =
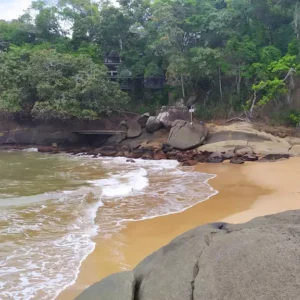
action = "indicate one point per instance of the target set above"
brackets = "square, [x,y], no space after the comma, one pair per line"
[245,192]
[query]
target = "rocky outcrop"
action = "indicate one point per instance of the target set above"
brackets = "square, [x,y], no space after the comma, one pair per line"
[223,138]
[256,260]
[169,114]
[184,136]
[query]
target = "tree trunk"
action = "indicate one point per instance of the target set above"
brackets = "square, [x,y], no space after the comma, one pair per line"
[220,84]
[252,105]
[238,80]
[182,87]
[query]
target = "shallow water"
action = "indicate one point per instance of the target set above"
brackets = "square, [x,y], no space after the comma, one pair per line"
[51,207]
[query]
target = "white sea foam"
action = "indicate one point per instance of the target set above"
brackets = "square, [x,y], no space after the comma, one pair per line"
[134,181]
[30,150]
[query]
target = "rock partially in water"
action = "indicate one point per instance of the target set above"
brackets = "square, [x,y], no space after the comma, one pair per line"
[48,149]
[108,151]
[256,260]
[130,160]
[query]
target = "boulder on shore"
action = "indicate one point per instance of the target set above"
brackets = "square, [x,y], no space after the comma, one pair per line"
[153,124]
[185,136]
[134,129]
[219,261]
[108,151]
[169,114]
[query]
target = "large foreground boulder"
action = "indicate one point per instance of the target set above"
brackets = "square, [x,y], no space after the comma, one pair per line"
[256,260]
[185,136]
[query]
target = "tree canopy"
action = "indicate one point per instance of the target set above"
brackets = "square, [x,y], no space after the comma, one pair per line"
[233,55]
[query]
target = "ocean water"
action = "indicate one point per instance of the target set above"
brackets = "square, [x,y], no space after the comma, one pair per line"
[52,206]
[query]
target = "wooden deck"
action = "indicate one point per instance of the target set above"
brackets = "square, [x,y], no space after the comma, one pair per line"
[100,132]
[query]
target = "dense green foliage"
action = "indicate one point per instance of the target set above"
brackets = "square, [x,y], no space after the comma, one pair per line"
[234,55]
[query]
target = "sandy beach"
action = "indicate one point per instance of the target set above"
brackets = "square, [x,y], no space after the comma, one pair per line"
[245,192]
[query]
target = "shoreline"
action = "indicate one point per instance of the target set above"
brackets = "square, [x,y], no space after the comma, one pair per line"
[245,192]
[123,250]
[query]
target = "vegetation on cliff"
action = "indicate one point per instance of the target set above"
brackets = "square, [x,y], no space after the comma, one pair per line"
[233,55]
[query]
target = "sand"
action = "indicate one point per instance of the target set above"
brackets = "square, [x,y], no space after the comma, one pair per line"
[245,192]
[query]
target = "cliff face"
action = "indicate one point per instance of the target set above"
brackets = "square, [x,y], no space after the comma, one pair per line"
[256,260]
[28,131]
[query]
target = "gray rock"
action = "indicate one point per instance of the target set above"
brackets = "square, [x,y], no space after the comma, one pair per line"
[215,158]
[256,260]
[228,154]
[184,136]
[115,287]
[143,119]
[153,124]
[134,129]
[146,115]
[241,151]
[169,114]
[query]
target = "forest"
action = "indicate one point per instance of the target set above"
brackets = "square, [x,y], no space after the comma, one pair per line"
[236,57]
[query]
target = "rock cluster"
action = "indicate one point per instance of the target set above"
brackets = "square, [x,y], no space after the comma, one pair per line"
[170,135]
[160,151]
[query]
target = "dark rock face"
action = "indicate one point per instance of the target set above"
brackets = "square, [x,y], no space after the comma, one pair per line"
[115,139]
[184,136]
[108,151]
[241,151]
[153,124]
[202,157]
[237,161]
[142,120]
[189,163]
[249,157]
[256,260]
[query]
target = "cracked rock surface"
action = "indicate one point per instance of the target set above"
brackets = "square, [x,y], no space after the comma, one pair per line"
[257,260]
